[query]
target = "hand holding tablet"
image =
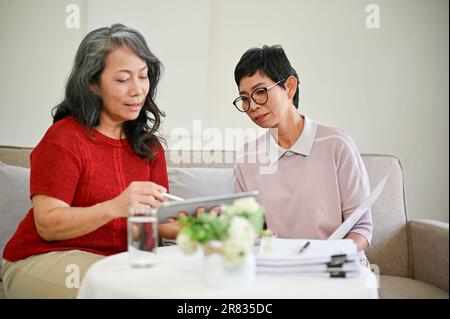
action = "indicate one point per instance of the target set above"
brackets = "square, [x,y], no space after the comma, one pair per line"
[190,206]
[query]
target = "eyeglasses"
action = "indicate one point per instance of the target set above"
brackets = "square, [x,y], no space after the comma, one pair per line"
[259,96]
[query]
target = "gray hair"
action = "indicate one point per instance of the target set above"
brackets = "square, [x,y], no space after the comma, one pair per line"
[84,105]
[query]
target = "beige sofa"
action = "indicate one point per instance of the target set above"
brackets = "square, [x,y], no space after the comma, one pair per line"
[411,255]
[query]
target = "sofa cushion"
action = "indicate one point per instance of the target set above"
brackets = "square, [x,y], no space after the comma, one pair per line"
[393,287]
[199,182]
[17,156]
[14,199]
[389,247]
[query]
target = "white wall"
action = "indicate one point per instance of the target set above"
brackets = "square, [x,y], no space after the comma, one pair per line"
[36,55]
[387,87]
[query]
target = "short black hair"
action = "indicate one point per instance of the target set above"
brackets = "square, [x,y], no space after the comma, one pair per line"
[271,61]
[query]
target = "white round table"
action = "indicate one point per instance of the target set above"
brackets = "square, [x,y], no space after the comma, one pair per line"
[177,276]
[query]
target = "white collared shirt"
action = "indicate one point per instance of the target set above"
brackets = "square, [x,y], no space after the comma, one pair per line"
[302,146]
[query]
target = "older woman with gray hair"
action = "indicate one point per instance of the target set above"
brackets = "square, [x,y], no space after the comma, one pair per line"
[98,160]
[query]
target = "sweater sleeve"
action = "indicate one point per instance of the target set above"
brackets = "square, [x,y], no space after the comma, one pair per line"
[55,167]
[354,187]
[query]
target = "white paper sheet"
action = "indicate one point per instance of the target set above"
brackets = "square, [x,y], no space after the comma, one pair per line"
[351,221]
[282,256]
[282,251]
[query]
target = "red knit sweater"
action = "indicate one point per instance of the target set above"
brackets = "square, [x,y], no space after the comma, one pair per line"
[83,169]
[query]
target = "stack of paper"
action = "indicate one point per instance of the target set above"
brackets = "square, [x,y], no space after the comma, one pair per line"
[328,258]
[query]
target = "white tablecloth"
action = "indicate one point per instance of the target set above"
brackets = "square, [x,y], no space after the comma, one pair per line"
[177,276]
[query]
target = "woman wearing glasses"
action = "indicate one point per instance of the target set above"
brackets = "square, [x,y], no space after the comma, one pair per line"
[310,176]
[100,159]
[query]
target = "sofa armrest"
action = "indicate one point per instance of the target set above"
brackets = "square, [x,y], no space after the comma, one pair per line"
[429,250]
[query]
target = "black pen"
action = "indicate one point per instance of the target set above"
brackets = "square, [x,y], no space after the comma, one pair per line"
[304,247]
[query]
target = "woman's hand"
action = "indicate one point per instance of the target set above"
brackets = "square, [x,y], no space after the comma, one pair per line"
[171,229]
[360,240]
[137,196]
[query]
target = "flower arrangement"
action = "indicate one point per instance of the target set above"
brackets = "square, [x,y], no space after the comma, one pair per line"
[232,233]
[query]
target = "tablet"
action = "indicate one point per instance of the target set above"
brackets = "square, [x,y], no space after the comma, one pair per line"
[189,206]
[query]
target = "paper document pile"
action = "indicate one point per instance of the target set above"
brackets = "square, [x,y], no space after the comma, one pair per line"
[326,258]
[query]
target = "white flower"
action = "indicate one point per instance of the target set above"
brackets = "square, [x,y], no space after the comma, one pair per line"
[239,242]
[246,204]
[241,230]
[233,253]
[186,244]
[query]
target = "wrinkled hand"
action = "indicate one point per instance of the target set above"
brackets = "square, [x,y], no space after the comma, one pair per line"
[137,196]
[174,221]
[215,211]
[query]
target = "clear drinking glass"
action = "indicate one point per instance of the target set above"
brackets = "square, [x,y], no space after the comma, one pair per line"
[142,237]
